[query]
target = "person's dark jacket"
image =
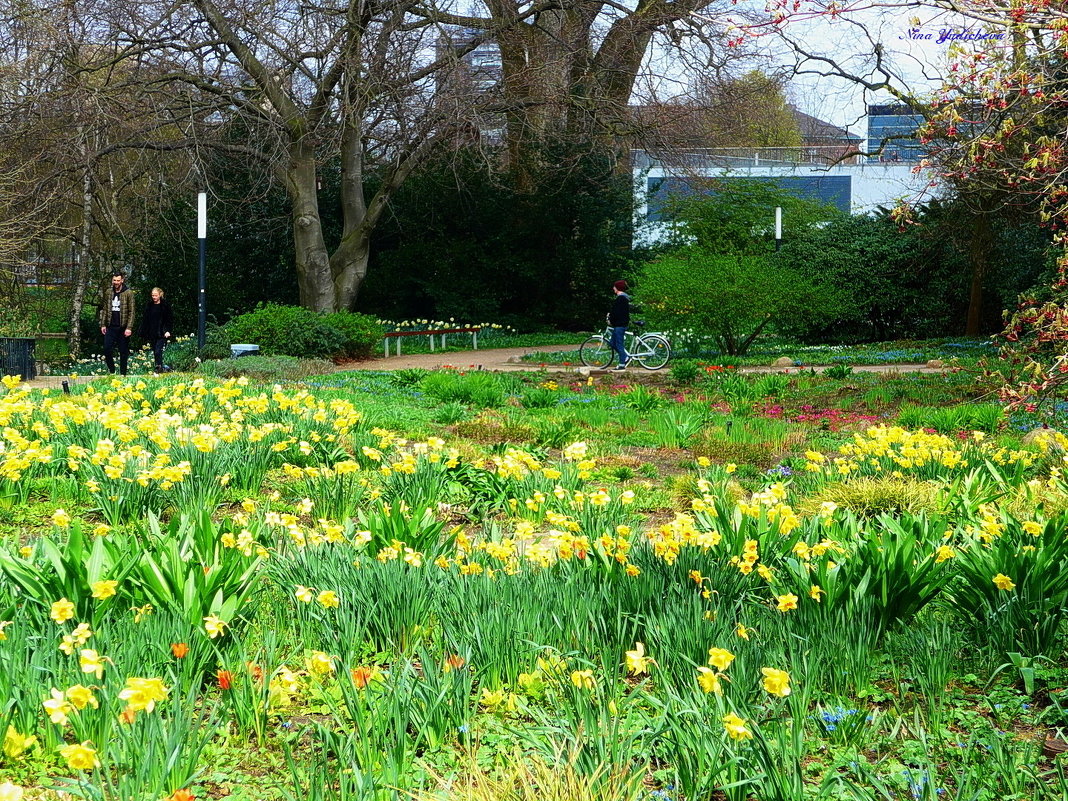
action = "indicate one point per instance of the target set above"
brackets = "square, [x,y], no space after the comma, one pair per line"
[157,321]
[619,316]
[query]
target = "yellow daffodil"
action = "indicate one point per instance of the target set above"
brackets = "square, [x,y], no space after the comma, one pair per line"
[709,680]
[637,661]
[57,707]
[141,694]
[214,626]
[91,662]
[9,791]
[786,602]
[80,757]
[80,697]
[776,682]
[15,744]
[320,663]
[735,727]
[1003,582]
[328,599]
[583,679]
[720,658]
[62,611]
[60,518]
[943,553]
[304,595]
[102,590]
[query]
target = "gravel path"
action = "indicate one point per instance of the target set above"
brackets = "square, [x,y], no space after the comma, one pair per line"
[499,359]
[508,360]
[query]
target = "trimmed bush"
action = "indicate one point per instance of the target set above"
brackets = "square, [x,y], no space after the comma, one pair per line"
[300,332]
[361,331]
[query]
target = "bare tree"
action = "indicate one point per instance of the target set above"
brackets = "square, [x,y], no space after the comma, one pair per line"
[96,147]
[570,69]
[309,83]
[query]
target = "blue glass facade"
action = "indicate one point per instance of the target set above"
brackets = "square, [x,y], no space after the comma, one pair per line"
[885,122]
[835,190]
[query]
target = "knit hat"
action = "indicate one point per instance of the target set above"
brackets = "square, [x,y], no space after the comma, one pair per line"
[620,285]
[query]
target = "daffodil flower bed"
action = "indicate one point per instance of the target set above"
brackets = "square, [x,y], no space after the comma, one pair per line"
[265,568]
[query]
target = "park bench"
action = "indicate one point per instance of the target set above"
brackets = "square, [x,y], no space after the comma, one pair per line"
[438,332]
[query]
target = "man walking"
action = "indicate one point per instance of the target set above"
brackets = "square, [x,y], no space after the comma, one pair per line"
[117,313]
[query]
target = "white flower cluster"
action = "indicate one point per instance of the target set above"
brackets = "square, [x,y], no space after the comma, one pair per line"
[422,324]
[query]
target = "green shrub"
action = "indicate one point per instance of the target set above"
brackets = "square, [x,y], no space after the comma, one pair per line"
[873,496]
[540,398]
[477,389]
[724,451]
[685,372]
[771,386]
[300,332]
[361,331]
[985,417]
[492,428]
[184,355]
[408,377]
[838,371]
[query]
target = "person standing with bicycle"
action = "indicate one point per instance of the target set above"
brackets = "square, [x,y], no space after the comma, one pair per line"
[619,319]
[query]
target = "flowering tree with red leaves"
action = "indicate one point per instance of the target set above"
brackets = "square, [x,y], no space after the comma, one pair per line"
[996,133]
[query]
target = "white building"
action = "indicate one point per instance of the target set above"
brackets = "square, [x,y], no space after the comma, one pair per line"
[857,187]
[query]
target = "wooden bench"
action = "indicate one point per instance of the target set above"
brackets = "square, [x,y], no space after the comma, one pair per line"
[439,332]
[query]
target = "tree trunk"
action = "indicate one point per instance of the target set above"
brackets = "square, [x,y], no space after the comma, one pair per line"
[314,278]
[81,273]
[979,252]
[348,263]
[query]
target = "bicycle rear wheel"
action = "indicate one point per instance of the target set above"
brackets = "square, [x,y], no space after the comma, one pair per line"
[596,352]
[655,353]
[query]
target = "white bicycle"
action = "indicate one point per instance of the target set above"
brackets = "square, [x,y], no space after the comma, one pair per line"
[651,350]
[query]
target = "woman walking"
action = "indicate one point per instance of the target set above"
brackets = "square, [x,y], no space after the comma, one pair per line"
[156,325]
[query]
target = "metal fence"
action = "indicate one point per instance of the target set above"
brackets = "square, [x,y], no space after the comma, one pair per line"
[825,155]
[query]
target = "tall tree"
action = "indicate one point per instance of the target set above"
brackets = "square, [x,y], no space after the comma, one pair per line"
[570,68]
[352,82]
[93,146]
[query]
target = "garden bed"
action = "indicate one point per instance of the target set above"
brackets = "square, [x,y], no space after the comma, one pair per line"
[450,586]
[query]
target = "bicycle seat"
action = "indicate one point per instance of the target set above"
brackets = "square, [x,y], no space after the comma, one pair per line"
[640,323]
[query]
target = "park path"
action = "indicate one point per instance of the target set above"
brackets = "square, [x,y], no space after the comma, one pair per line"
[509,360]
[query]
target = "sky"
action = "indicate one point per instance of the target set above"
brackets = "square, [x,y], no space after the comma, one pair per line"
[917,61]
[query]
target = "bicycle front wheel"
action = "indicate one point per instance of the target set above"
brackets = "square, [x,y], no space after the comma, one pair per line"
[655,353]
[596,352]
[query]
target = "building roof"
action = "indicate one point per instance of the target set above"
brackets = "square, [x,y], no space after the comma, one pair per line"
[814,129]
